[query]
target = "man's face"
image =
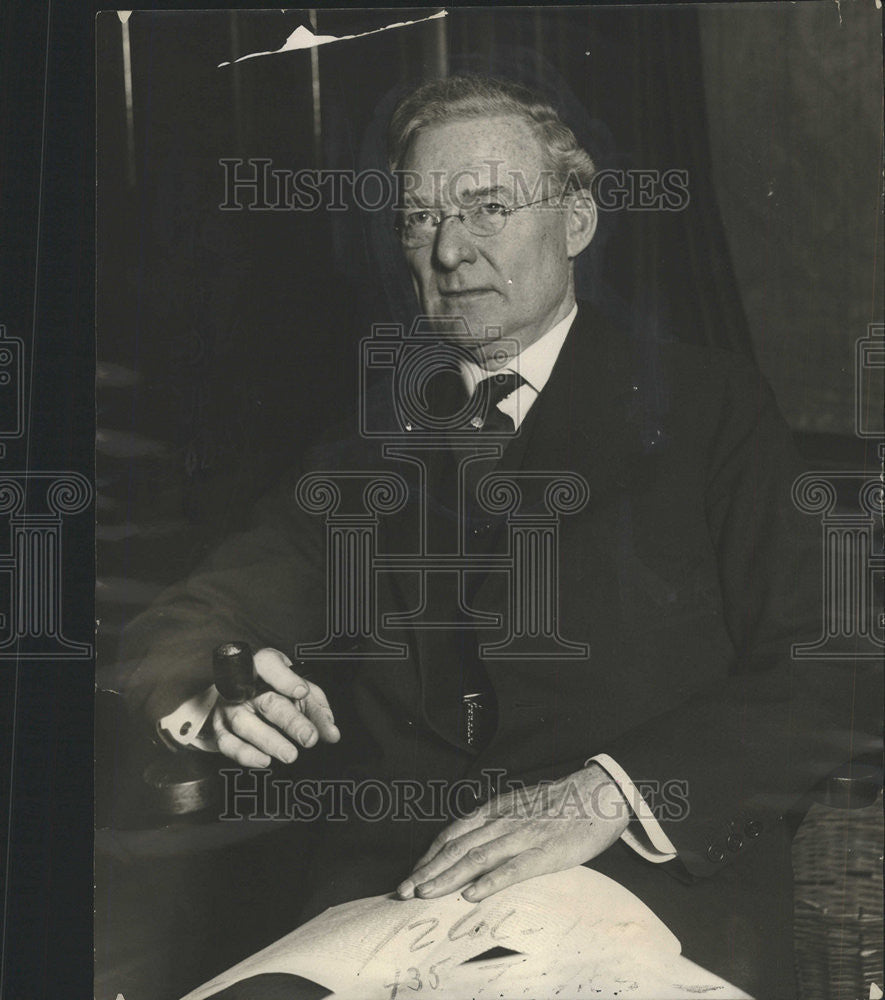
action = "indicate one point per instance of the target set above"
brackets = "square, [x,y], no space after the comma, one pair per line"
[520,279]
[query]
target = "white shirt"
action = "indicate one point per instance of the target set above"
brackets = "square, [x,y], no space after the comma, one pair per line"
[535,365]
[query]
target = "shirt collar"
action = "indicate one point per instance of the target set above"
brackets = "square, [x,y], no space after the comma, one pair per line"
[534,364]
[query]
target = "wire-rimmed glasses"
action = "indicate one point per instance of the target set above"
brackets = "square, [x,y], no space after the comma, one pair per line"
[417,227]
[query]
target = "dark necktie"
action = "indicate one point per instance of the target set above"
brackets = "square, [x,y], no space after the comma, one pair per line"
[487,419]
[490,392]
[477,697]
[461,677]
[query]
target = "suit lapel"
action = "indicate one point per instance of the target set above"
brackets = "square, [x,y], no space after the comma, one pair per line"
[593,418]
[588,418]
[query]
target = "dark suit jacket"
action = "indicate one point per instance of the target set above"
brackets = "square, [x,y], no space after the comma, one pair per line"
[688,574]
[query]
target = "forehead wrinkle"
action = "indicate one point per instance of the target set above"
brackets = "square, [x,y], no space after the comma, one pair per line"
[475,149]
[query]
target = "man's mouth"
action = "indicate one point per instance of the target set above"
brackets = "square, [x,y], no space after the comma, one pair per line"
[464,293]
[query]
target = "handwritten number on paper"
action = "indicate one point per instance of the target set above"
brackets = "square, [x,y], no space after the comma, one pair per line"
[503,966]
[473,929]
[503,920]
[433,977]
[434,923]
[394,986]
[415,982]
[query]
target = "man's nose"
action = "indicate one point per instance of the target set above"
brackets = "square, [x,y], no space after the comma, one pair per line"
[454,244]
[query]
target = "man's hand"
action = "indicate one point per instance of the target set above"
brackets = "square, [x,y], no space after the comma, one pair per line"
[532,831]
[256,730]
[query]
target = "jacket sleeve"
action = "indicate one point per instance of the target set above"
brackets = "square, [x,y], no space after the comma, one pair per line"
[264,586]
[752,744]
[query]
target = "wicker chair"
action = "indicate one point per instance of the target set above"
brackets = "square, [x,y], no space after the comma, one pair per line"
[837,862]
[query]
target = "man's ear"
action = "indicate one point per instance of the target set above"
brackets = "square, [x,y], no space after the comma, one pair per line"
[581,219]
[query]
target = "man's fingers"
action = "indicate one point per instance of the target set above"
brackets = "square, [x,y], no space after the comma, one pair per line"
[316,708]
[528,864]
[452,832]
[275,668]
[279,711]
[446,851]
[235,748]
[246,724]
[293,708]
[479,858]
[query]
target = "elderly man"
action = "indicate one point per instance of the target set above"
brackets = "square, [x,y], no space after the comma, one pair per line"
[682,583]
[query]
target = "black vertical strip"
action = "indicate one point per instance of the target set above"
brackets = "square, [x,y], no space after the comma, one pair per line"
[46,300]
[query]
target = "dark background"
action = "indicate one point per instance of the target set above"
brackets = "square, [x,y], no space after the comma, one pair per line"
[226,341]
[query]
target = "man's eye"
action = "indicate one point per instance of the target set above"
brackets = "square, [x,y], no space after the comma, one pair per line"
[415,219]
[491,208]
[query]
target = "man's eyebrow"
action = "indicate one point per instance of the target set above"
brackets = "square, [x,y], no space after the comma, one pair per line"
[468,194]
[485,192]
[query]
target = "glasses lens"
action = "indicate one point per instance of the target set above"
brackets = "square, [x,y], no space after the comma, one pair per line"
[416,228]
[485,219]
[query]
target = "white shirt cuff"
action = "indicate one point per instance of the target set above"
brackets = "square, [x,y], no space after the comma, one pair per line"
[659,847]
[183,726]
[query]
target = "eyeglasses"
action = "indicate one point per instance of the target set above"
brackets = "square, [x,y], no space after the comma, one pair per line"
[418,227]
